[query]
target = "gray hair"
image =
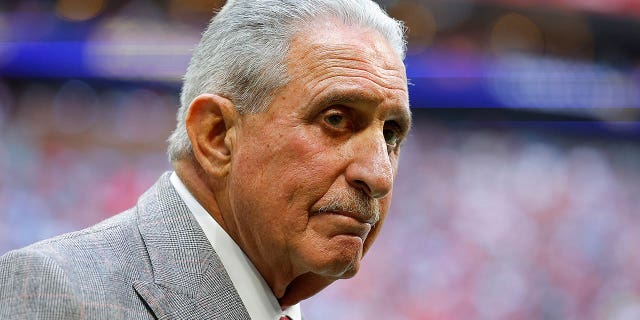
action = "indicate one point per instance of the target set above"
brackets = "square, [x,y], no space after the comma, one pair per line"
[242,53]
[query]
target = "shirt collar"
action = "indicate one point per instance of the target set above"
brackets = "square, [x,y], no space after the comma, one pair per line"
[252,288]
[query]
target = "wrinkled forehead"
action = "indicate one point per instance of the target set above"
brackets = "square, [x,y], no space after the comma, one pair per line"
[348,49]
[333,33]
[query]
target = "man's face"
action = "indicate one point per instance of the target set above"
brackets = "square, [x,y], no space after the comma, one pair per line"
[311,177]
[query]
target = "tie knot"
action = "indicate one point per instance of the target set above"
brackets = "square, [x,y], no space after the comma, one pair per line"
[285,318]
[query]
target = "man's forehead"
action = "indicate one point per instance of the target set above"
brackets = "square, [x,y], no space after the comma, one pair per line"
[326,58]
[329,39]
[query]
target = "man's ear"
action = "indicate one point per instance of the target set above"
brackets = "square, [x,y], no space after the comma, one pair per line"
[210,125]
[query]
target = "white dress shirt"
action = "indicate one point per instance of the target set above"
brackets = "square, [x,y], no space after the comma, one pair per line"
[252,288]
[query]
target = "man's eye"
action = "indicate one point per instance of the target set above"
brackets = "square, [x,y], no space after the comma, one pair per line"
[391,137]
[336,120]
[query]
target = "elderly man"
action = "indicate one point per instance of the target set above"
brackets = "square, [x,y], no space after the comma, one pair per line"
[285,153]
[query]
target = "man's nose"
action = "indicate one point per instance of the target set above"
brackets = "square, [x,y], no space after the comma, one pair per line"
[371,169]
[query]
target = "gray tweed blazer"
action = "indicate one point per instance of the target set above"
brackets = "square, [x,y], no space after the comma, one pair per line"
[150,262]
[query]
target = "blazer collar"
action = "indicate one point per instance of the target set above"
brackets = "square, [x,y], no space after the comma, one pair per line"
[188,278]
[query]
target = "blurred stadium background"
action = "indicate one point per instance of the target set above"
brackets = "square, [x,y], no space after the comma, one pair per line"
[519,190]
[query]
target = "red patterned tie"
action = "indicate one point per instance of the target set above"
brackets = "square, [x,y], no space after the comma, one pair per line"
[285,318]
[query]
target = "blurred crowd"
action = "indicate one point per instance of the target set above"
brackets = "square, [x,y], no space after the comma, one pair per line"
[71,156]
[486,223]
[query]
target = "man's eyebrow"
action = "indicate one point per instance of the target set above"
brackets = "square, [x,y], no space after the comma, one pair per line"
[340,98]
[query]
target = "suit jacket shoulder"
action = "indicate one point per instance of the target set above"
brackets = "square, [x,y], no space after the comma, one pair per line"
[152,261]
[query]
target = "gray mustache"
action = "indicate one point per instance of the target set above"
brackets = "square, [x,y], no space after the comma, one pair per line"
[364,207]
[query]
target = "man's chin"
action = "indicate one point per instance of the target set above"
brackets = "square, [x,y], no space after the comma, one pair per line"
[350,272]
[339,270]
[343,265]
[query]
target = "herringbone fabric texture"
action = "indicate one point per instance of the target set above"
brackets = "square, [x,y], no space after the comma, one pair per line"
[150,262]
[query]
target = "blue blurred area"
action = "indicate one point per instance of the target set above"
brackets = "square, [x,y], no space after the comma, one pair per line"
[440,79]
[517,193]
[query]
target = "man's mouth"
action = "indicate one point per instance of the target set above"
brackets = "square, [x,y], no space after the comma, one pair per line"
[352,223]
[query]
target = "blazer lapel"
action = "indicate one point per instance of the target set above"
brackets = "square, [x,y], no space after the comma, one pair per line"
[188,279]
